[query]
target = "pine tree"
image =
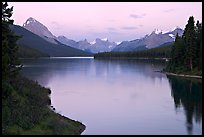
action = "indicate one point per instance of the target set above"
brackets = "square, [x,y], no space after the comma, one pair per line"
[198,31]
[177,54]
[189,38]
[9,46]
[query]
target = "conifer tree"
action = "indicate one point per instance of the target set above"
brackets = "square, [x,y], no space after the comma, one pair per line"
[189,38]
[198,30]
[9,46]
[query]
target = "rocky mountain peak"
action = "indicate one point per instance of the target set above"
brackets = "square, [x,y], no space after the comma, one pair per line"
[39,29]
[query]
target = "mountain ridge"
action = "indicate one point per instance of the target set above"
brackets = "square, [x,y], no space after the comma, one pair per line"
[54,50]
[152,40]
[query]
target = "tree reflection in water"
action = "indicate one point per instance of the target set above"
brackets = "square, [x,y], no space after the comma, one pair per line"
[187,93]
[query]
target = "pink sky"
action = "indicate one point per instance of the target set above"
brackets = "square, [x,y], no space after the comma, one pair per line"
[118,21]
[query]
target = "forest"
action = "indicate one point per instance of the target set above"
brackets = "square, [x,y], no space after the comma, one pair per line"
[186,52]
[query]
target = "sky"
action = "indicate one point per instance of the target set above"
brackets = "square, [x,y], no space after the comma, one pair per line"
[117,21]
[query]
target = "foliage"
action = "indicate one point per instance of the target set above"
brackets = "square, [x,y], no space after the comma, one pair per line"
[186,53]
[26,110]
[9,46]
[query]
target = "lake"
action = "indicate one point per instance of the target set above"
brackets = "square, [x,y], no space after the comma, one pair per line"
[120,97]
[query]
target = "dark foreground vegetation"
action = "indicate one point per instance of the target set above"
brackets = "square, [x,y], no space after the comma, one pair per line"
[26,111]
[26,106]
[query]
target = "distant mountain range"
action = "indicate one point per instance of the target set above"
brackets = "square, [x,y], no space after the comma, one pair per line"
[155,39]
[38,35]
[98,45]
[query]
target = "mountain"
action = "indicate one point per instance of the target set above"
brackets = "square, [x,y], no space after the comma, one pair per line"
[39,29]
[101,45]
[98,45]
[36,42]
[67,41]
[83,45]
[155,39]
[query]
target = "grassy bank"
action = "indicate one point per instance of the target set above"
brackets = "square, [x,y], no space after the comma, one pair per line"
[26,111]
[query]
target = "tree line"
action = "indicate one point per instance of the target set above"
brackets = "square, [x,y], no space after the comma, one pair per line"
[186,52]
[160,52]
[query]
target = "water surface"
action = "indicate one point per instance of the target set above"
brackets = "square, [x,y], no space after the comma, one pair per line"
[120,96]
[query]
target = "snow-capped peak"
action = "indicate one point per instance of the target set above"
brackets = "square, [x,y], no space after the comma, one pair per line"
[93,42]
[171,35]
[166,31]
[104,39]
[157,31]
[118,42]
[29,20]
[177,27]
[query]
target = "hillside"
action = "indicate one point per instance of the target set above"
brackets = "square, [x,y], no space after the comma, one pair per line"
[34,41]
[28,52]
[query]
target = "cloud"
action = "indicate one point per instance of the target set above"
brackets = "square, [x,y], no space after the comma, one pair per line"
[136,16]
[129,28]
[168,10]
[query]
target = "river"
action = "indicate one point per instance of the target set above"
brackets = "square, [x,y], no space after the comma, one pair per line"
[120,97]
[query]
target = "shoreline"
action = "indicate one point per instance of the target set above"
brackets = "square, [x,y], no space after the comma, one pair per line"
[182,75]
[142,58]
[71,57]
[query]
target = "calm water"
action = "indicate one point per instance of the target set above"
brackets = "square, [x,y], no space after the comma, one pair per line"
[120,96]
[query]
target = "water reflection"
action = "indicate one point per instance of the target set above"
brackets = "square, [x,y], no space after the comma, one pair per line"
[120,96]
[45,69]
[187,93]
[146,68]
